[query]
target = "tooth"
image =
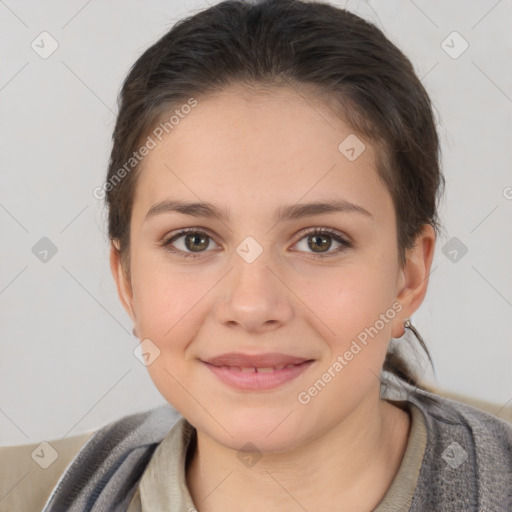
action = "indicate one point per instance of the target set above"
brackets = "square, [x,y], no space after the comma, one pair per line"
[249,370]
[235,368]
[265,370]
[289,366]
[279,367]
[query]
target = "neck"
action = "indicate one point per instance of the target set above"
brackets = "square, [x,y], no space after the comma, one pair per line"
[351,466]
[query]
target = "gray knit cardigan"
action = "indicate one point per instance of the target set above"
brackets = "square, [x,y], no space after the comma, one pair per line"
[467,465]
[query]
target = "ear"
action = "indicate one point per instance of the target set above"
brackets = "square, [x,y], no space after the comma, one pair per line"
[413,277]
[124,288]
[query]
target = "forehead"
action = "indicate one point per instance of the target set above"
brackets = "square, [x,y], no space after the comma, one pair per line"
[270,145]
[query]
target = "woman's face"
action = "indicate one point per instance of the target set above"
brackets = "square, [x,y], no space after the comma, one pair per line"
[259,281]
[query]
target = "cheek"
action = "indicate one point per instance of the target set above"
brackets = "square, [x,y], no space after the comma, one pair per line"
[171,308]
[164,298]
[355,314]
[350,300]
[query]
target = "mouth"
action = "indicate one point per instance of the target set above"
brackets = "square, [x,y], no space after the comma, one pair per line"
[253,369]
[267,360]
[257,372]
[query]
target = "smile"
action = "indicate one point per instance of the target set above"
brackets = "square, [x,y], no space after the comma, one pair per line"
[256,378]
[251,369]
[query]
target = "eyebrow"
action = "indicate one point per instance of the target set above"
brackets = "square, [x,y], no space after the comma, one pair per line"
[283,213]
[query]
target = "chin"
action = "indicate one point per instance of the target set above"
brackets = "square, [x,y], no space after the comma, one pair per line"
[268,432]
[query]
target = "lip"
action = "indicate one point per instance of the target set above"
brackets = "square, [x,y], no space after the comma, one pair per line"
[228,368]
[255,360]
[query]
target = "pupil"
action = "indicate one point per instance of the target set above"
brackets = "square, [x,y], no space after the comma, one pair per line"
[321,237]
[196,238]
[318,240]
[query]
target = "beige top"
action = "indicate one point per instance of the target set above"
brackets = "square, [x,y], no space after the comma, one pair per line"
[24,485]
[163,485]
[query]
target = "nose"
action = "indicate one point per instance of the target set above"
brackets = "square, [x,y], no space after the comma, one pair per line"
[254,297]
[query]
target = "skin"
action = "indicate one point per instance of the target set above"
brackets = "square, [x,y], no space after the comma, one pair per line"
[252,153]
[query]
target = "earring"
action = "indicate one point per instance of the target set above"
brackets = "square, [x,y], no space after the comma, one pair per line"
[408,325]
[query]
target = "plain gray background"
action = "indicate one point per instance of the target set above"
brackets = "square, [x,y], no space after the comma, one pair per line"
[67,364]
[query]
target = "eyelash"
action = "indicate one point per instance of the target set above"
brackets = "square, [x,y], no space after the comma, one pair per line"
[345,244]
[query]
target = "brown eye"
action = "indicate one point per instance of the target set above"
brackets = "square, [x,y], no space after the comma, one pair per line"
[196,242]
[320,240]
[319,243]
[188,243]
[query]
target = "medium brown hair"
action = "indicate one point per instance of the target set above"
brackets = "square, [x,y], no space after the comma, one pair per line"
[349,64]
